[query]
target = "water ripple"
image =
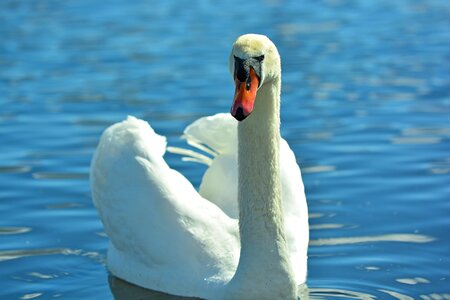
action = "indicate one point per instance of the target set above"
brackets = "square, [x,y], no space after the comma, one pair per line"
[59,175]
[21,253]
[31,296]
[318,169]
[416,140]
[395,237]
[15,169]
[397,295]
[365,107]
[325,226]
[326,293]
[412,281]
[435,296]
[42,276]
[14,230]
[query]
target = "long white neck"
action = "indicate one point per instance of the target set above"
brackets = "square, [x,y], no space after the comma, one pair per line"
[264,270]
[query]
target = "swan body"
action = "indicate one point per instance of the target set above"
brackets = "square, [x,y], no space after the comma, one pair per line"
[166,236]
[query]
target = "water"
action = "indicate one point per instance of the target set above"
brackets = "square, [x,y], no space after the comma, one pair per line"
[365,107]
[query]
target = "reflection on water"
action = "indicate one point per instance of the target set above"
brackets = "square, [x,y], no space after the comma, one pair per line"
[365,106]
[123,290]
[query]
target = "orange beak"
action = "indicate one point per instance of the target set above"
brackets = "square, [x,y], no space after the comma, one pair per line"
[245,95]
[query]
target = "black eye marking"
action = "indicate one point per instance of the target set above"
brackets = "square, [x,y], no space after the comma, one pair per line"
[242,68]
[259,58]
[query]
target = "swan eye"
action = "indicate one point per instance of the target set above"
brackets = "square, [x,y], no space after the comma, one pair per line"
[259,58]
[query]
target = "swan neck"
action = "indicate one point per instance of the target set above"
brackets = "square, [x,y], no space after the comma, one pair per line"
[264,257]
[259,188]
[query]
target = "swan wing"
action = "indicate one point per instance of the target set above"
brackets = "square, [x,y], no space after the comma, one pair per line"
[220,181]
[163,234]
[295,211]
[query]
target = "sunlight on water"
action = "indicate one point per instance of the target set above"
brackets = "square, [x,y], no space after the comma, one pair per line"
[14,230]
[410,238]
[31,296]
[413,280]
[396,295]
[15,254]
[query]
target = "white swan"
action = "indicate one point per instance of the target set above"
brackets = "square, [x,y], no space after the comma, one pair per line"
[166,236]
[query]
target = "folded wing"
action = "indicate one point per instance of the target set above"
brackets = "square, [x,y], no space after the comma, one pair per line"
[163,234]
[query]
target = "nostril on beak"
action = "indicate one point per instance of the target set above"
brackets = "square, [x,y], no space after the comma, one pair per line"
[239,115]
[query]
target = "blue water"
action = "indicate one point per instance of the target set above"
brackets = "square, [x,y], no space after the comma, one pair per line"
[365,107]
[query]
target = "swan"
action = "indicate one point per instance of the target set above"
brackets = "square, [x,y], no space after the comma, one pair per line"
[244,234]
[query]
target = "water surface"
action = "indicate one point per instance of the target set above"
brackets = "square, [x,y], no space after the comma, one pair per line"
[365,107]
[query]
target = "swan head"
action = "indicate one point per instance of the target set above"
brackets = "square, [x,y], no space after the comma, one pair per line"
[254,61]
